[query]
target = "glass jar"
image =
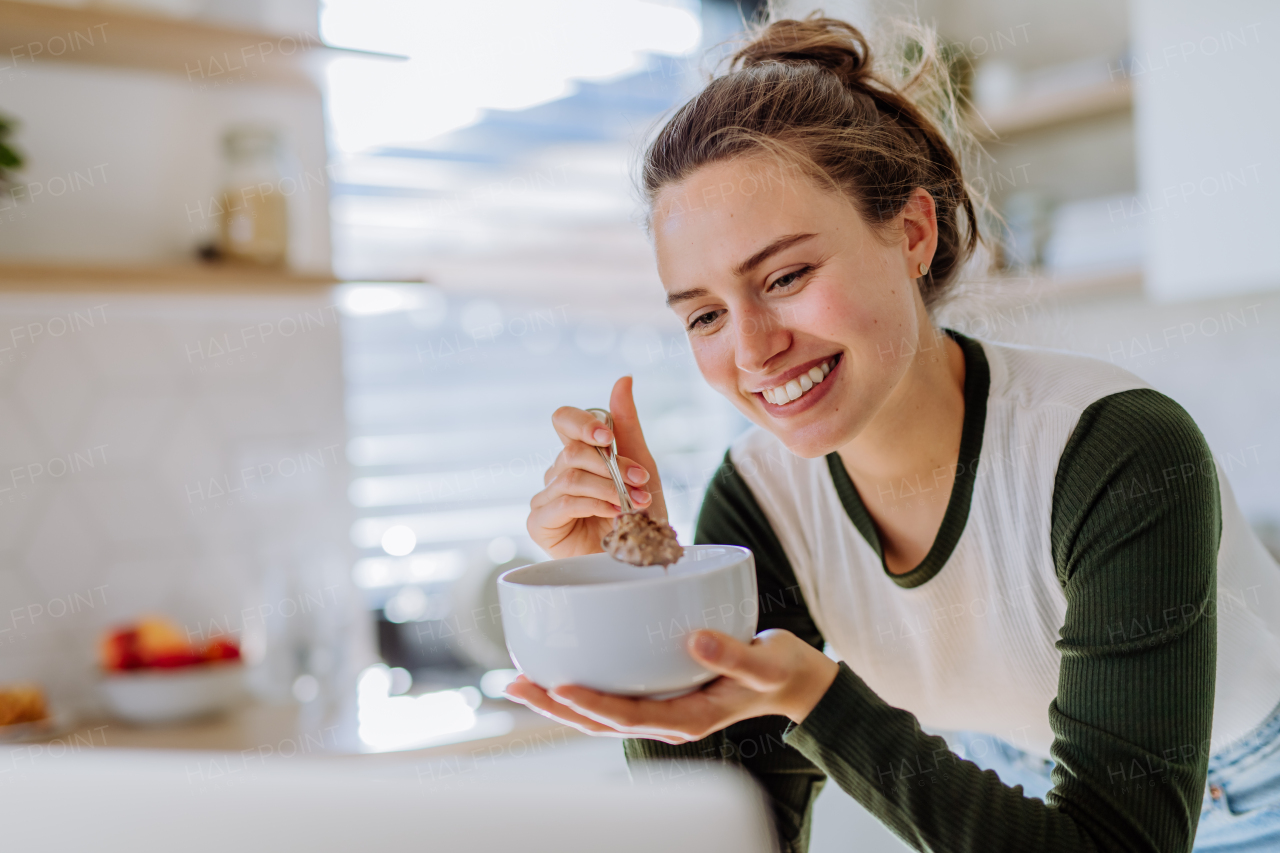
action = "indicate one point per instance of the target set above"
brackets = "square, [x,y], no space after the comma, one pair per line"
[254,218]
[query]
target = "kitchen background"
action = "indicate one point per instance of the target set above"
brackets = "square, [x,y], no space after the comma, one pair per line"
[325,449]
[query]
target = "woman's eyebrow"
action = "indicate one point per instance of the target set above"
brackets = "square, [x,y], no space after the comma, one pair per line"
[768,251]
[743,268]
[683,295]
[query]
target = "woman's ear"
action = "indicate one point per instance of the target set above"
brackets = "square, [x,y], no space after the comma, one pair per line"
[920,226]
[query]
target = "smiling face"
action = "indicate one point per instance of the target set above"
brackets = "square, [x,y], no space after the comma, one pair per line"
[797,311]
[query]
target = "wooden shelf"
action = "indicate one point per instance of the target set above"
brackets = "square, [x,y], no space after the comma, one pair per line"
[1119,282]
[1053,110]
[31,277]
[207,55]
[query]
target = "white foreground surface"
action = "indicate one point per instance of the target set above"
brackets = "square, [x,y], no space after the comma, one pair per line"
[132,801]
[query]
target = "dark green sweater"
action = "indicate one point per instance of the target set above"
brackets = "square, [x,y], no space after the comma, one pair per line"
[1133,709]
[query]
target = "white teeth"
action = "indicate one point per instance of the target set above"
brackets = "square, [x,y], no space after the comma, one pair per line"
[796,388]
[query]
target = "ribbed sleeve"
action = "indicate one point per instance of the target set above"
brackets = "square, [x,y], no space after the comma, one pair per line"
[1135,534]
[730,515]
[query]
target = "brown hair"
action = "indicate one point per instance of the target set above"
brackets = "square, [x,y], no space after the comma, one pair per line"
[805,89]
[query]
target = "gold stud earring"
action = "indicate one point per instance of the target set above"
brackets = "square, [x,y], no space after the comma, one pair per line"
[924,269]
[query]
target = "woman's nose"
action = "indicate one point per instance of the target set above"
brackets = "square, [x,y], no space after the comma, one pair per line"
[760,336]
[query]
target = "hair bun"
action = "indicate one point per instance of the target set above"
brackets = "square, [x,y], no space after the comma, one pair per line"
[837,46]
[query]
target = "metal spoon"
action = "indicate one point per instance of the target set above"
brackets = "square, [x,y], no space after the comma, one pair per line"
[610,458]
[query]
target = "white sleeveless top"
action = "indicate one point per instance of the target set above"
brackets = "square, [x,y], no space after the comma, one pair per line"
[973,647]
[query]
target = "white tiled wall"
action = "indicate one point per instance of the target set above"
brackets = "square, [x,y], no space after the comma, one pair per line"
[182,455]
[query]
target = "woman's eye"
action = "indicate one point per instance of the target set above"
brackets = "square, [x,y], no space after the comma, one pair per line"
[705,319]
[789,279]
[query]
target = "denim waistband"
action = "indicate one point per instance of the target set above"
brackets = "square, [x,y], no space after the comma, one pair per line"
[1242,747]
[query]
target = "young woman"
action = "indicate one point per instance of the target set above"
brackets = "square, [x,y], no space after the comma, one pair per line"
[1022,543]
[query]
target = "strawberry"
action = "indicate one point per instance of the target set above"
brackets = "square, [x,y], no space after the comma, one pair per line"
[221,648]
[119,650]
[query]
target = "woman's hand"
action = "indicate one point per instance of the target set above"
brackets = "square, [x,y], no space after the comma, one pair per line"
[576,509]
[776,673]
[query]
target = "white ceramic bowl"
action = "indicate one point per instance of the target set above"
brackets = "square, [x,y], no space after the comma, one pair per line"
[622,629]
[152,696]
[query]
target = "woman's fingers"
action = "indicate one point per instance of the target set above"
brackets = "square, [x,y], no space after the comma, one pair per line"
[575,482]
[562,511]
[578,486]
[582,435]
[577,454]
[664,719]
[760,664]
[626,423]
[527,693]
[756,676]
[580,425]
[767,665]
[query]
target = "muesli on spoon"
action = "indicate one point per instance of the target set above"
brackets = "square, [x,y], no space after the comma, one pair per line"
[639,540]
[636,538]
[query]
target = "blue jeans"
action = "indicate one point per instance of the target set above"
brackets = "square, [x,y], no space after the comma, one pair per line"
[1241,808]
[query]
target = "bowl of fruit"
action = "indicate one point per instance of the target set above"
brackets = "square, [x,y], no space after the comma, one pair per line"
[153,674]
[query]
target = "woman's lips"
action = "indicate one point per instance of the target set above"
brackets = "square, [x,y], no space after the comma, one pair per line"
[806,400]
